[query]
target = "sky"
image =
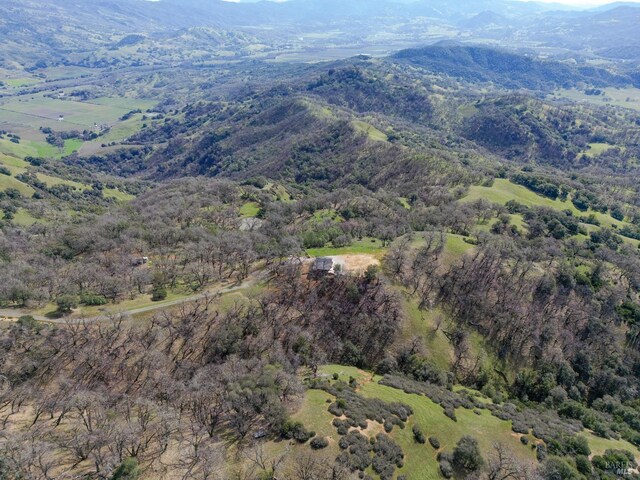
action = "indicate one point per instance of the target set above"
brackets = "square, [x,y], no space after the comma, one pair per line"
[577,3]
[580,3]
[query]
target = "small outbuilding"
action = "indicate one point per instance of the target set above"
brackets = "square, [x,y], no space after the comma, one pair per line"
[322,266]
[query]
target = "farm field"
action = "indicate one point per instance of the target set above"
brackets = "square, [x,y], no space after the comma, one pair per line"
[618,97]
[59,114]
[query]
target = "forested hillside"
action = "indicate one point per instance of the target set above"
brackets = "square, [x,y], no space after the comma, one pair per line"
[219,263]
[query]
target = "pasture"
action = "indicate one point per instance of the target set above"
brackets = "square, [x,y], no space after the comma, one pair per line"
[617,97]
[503,190]
[59,114]
[420,459]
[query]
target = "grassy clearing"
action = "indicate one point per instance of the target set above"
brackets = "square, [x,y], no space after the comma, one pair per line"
[15,162]
[118,195]
[423,324]
[23,218]
[42,111]
[327,214]
[21,82]
[595,149]
[279,191]
[455,248]
[619,97]
[503,190]
[7,182]
[370,130]
[404,202]
[518,221]
[315,415]
[420,460]
[122,130]
[598,445]
[51,181]
[249,210]
[369,246]
[38,149]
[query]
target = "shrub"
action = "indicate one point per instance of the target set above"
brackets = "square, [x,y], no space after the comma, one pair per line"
[541,452]
[467,455]
[128,470]
[92,299]
[435,443]
[318,443]
[446,469]
[296,431]
[577,446]
[583,465]
[28,322]
[66,303]
[557,469]
[158,294]
[418,436]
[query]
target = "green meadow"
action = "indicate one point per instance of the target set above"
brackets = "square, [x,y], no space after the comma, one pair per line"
[503,191]
[366,246]
[420,459]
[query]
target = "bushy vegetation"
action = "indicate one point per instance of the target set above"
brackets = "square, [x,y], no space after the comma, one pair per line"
[488,237]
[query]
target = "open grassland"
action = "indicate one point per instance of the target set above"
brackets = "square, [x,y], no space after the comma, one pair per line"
[65,114]
[7,182]
[455,248]
[503,190]
[249,210]
[427,325]
[20,82]
[370,246]
[420,459]
[618,97]
[24,218]
[598,445]
[117,194]
[39,148]
[47,112]
[372,132]
[595,149]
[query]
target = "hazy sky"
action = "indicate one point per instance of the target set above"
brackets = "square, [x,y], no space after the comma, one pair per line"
[577,3]
[583,2]
[586,3]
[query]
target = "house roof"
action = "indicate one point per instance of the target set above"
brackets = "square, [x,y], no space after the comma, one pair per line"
[323,263]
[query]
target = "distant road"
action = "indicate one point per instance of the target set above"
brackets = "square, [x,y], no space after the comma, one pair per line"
[249,282]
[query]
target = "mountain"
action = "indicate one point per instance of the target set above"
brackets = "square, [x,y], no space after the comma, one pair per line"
[507,69]
[78,31]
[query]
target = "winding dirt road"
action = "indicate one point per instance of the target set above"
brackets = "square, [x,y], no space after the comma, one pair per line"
[249,282]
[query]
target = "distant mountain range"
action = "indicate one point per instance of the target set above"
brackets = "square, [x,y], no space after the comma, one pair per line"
[59,29]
